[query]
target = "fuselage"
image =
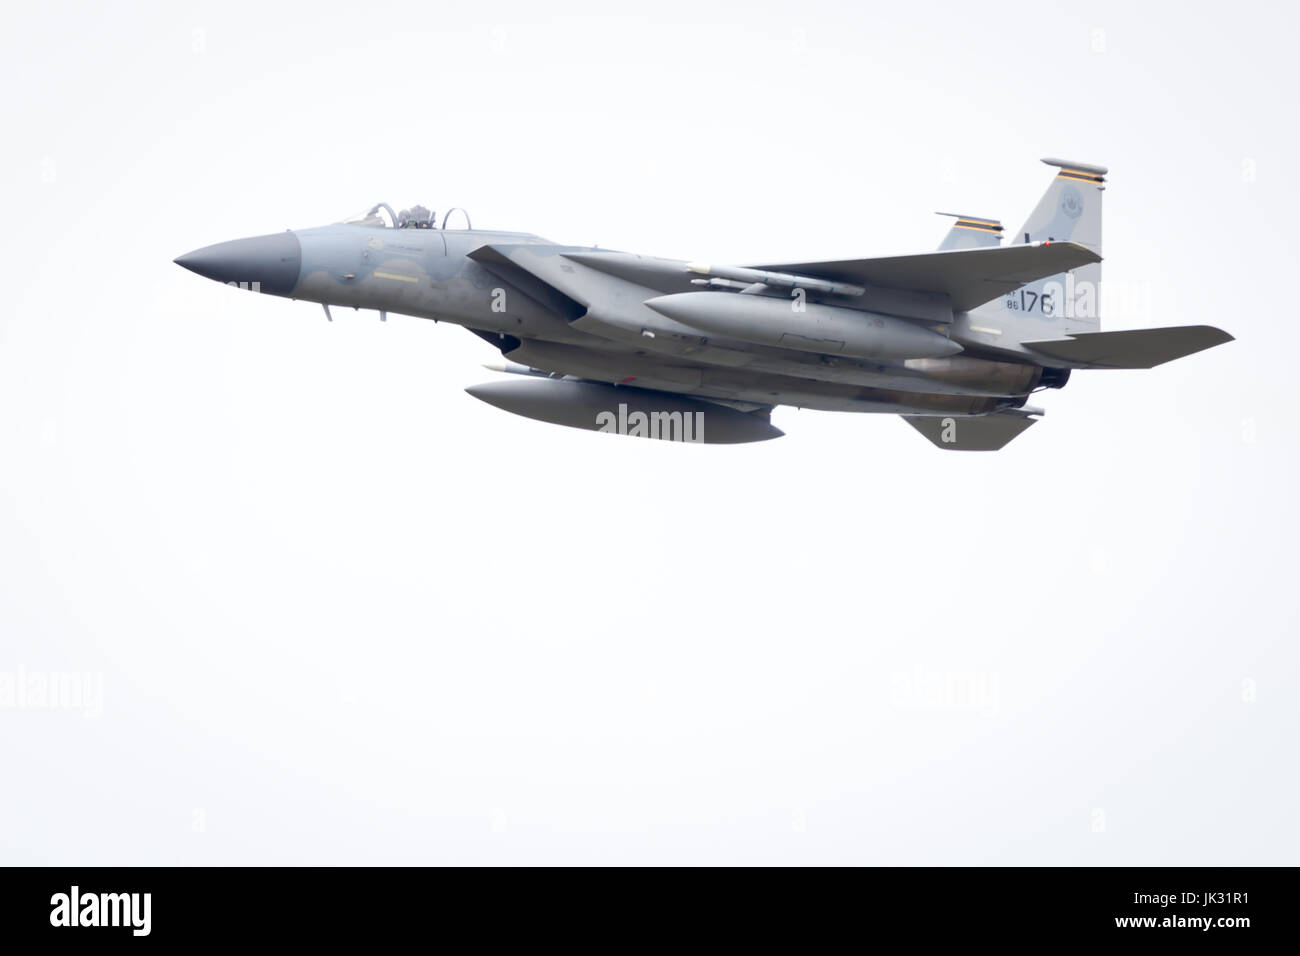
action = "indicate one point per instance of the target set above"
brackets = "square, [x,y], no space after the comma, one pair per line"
[582,312]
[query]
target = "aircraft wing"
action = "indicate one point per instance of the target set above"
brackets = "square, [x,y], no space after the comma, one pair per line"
[969,277]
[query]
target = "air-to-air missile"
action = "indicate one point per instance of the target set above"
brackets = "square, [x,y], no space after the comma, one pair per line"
[954,341]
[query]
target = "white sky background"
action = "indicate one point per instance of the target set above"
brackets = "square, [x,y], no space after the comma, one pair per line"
[344,613]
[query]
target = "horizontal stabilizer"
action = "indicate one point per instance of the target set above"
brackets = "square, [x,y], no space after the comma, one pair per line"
[1135,348]
[985,433]
[969,277]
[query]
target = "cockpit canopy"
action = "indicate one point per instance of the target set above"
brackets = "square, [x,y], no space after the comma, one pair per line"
[382,216]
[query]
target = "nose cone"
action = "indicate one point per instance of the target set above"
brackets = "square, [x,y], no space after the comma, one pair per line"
[264,263]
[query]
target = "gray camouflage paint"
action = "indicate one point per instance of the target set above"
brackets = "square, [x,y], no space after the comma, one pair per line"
[582,313]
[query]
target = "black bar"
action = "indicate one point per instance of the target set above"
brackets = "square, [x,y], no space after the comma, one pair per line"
[968,906]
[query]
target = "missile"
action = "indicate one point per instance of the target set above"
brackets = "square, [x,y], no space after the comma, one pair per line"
[805,326]
[514,368]
[637,412]
[764,277]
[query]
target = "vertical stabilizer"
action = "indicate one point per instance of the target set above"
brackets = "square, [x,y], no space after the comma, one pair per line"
[1070,210]
[970,232]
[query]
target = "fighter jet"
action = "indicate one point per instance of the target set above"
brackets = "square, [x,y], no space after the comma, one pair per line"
[954,341]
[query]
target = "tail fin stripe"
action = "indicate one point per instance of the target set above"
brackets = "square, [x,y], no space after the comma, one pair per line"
[987,232]
[1080,177]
